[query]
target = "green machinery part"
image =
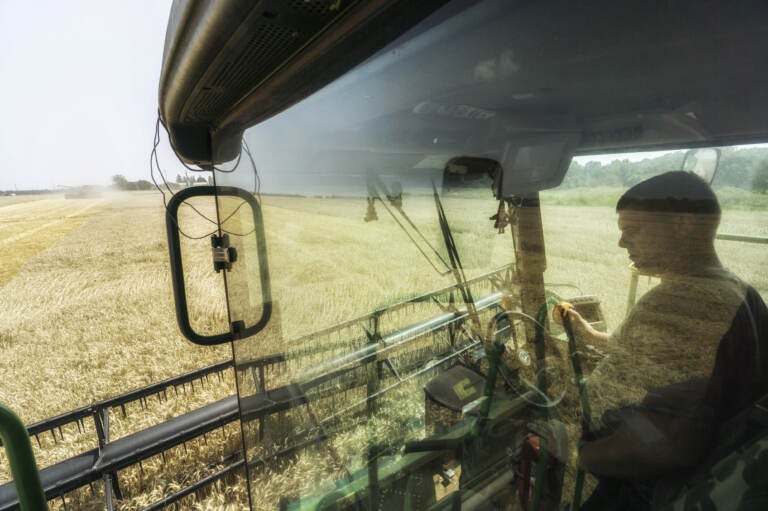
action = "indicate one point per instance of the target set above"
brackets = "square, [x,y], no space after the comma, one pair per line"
[22,460]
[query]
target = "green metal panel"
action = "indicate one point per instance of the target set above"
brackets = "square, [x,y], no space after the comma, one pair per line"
[22,460]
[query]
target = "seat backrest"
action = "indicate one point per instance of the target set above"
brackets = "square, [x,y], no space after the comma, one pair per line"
[740,375]
[734,475]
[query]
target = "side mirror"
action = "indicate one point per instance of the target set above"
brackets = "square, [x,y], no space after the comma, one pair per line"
[217,260]
[702,162]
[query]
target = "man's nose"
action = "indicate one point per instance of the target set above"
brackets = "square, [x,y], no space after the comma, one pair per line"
[622,241]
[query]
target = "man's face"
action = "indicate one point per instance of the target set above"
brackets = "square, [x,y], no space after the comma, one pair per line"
[650,239]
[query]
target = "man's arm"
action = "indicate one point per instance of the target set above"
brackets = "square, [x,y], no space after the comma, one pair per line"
[583,332]
[646,445]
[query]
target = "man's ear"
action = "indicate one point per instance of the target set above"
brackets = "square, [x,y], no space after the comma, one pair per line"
[685,224]
[692,228]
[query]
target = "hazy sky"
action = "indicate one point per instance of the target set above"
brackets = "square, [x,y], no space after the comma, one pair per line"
[78,90]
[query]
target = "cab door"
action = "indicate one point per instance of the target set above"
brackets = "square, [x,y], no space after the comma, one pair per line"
[221,282]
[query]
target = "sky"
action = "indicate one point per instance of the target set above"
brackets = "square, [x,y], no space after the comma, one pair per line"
[78,91]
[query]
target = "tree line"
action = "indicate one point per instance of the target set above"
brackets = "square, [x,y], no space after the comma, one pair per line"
[121,183]
[738,168]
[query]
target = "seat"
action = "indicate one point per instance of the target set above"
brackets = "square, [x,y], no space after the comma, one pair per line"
[734,474]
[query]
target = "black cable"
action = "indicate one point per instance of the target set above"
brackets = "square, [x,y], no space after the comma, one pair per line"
[256,189]
[256,177]
[154,162]
[175,151]
[227,171]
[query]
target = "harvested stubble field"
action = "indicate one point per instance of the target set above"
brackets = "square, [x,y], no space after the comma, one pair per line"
[86,315]
[86,307]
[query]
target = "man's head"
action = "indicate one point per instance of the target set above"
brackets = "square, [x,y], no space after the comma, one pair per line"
[668,223]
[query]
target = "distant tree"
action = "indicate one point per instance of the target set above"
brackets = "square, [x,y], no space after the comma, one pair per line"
[591,171]
[179,179]
[760,179]
[120,181]
[650,167]
[210,180]
[574,176]
[745,168]
[200,179]
[734,168]
[143,184]
[615,173]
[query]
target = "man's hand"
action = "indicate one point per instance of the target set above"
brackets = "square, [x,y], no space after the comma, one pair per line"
[565,309]
[582,330]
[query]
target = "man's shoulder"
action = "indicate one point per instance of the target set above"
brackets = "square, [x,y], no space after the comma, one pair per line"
[718,278]
[704,292]
[682,308]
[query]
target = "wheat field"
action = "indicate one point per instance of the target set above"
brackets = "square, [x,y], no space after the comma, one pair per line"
[86,307]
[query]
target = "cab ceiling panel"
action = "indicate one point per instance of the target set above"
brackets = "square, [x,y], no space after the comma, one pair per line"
[624,75]
[221,57]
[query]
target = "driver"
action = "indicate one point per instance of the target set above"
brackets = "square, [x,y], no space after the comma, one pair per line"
[676,361]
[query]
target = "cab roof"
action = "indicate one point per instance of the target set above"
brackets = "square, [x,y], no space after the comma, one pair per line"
[620,75]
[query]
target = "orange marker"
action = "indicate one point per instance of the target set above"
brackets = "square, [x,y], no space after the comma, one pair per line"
[561,311]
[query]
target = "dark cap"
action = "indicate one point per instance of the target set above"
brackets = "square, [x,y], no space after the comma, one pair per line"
[671,192]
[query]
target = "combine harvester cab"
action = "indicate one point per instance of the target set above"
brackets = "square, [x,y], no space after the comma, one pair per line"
[380,177]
